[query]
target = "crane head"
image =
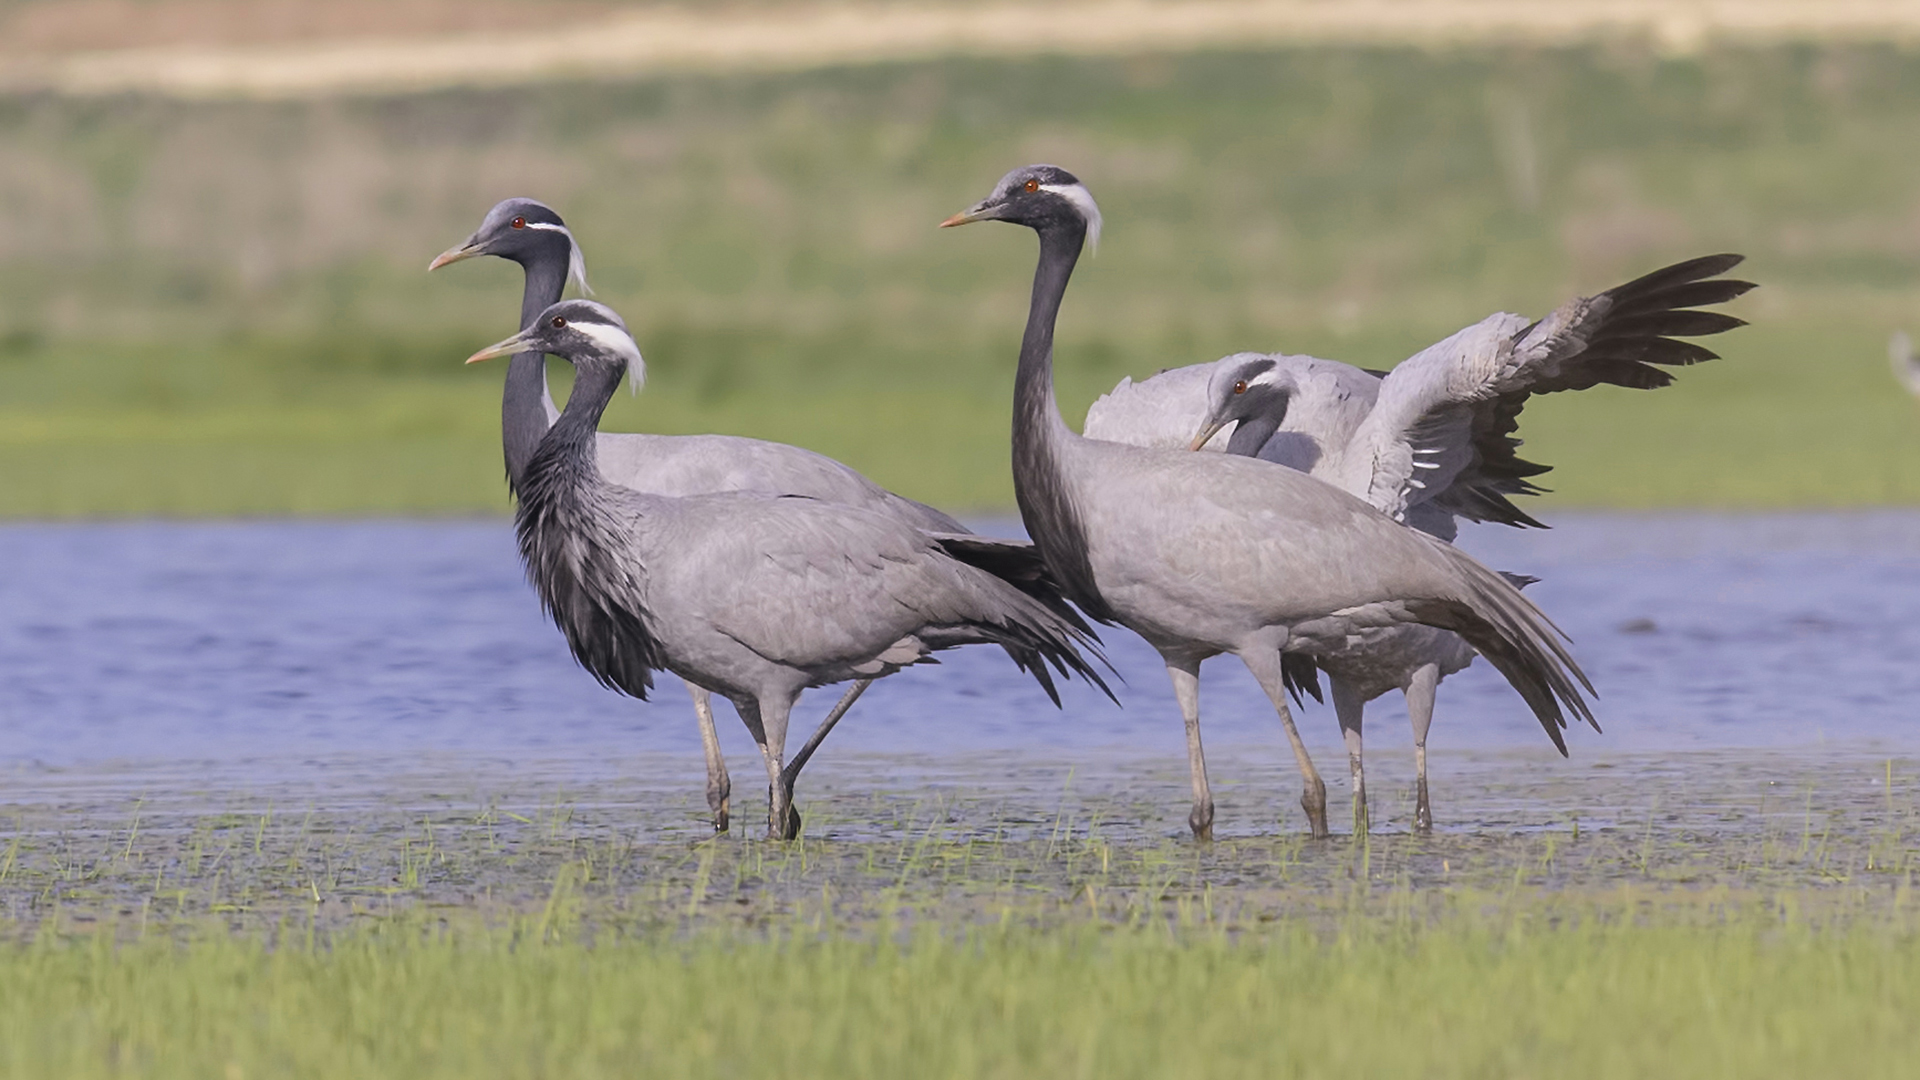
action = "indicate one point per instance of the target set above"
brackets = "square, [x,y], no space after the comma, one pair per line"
[1039,197]
[1251,391]
[521,230]
[586,334]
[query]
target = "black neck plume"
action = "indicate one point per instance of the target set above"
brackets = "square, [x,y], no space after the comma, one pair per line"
[523,405]
[577,545]
[593,388]
[1046,506]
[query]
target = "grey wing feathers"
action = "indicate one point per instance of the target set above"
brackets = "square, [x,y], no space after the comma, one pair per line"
[1469,399]
[1163,411]
[1417,440]
[1019,608]
[1626,335]
[824,576]
[1016,562]
[682,465]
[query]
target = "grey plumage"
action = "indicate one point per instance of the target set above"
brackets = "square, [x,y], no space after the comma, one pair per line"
[533,235]
[1201,554]
[752,595]
[1427,443]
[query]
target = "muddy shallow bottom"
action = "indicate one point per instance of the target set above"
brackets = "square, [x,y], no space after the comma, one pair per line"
[963,839]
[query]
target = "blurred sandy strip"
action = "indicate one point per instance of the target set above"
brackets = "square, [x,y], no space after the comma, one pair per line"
[578,44]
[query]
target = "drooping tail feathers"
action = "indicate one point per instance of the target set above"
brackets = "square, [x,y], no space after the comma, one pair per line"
[1016,562]
[1042,628]
[1518,639]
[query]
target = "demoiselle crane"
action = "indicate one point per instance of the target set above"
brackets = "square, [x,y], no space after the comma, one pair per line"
[751,595]
[1427,443]
[1205,554]
[533,235]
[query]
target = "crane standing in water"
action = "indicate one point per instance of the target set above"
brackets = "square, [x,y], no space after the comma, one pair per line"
[751,595]
[1427,443]
[1205,554]
[534,236]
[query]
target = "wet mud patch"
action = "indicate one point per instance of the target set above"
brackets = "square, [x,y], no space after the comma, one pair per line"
[894,840]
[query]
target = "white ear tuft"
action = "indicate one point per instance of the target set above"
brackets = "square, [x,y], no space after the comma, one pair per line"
[1082,200]
[618,343]
[577,266]
[576,259]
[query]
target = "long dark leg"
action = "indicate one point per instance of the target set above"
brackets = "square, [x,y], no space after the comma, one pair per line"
[1186,689]
[1351,709]
[820,733]
[719,786]
[1420,693]
[1265,665]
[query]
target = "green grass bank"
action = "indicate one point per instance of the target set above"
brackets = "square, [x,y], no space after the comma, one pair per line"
[1603,993]
[1735,916]
[222,308]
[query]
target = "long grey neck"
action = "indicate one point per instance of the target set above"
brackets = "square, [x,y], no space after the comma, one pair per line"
[526,406]
[1251,434]
[1040,436]
[570,443]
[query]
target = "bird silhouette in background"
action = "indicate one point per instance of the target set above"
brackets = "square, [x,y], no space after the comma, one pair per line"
[1906,366]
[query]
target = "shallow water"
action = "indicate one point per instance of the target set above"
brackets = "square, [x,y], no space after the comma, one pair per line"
[255,721]
[342,658]
[975,837]
[213,642]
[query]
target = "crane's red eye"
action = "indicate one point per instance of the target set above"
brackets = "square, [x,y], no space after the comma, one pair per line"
[559,321]
[1240,387]
[519,223]
[1033,185]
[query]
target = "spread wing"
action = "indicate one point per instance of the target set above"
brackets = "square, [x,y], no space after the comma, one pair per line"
[1439,443]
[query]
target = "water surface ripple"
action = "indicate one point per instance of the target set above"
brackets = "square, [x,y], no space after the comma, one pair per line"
[266,648]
